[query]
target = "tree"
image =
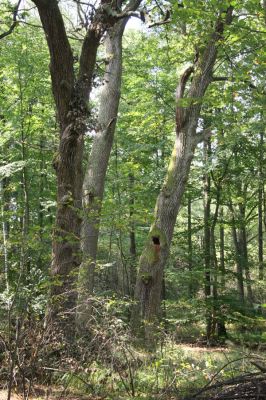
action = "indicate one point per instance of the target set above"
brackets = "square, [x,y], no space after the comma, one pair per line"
[155,253]
[94,181]
[71,94]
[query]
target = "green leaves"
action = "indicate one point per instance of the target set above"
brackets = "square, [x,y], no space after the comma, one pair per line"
[11,168]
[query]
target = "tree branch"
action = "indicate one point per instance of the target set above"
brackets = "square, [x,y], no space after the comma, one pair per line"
[168,21]
[93,37]
[61,65]
[203,135]
[227,78]
[15,22]
[179,95]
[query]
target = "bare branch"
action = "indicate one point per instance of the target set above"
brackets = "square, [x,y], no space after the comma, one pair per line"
[227,78]
[168,21]
[203,135]
[15,22]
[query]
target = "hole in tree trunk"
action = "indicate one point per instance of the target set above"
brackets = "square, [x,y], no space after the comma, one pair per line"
[155,240]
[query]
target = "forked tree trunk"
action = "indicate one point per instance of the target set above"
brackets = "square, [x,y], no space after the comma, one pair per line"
[154,256]
[70,99]
[94,181]
[71,94]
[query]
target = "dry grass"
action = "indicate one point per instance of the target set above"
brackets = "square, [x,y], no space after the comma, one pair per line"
[3,396]
[46,394]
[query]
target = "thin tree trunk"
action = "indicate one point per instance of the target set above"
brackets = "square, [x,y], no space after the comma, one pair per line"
[239,269]
[41,190]
[189,244]
[5,231]
[207,241]
[132,235]
[221,329]
[260,210]
[156,250]
[221,245]
[242,237]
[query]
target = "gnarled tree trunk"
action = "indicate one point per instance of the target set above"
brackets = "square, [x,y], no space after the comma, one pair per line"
[71,93]
[155,253]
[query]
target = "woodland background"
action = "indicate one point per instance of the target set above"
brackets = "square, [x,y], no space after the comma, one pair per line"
[74,319]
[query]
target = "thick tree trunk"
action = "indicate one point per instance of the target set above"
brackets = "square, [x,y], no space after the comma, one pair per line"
[71,98]
[156,250]
[94,181]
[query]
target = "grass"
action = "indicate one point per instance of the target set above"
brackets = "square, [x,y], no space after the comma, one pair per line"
[173,370]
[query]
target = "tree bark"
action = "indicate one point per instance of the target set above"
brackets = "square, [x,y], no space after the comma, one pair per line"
[71,94]
[93,186]
[207,241]
[239,269]
[221,330]
[242,237]
[260,210]
[156,250]
[132,236]
[189,246]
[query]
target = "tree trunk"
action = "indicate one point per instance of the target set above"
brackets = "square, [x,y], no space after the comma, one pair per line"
[93,187]
[156,250]
[207,241]
[221,245]
[221,329]
[242,237]
[260,209]
[239,269]
[189,245]
[5,206]
[71,95]
[132,235]
[71,103]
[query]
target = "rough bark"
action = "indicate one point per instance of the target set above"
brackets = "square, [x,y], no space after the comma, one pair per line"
[93,187]
[156,250]
[71,94]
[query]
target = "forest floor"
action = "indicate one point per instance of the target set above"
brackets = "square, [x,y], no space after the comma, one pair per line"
[178,372]
[249,389]
[47,394]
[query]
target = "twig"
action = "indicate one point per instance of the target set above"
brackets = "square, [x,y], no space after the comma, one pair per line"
[233,381]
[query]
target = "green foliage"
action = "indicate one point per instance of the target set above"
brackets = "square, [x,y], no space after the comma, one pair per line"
[107,362]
